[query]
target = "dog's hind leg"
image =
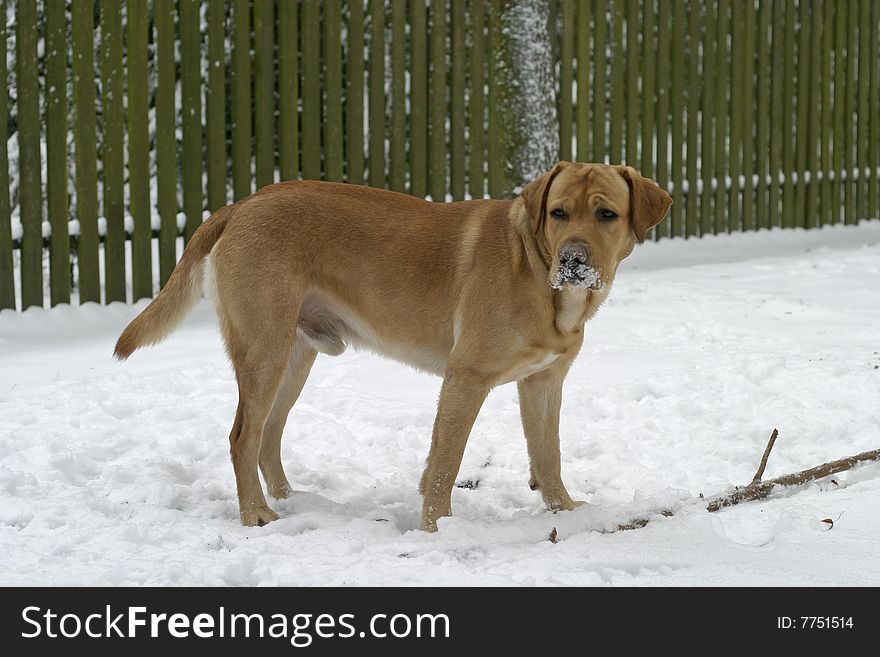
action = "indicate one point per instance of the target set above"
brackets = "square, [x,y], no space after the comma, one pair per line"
[300,364]
[260,340]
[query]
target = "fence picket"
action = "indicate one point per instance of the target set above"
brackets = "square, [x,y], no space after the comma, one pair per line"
[264,89]
[566,65]
[397,153]
[166,140]
[84,97]
[476,147]
[332,121]
[707,111]
[437,102]
[377,94]
[56,153]
[112,161]
[663,90]
[215,107]
[418,150]
[288,86]
[30,176]
[7,269]
[849,161]
[191,114]
[139,150]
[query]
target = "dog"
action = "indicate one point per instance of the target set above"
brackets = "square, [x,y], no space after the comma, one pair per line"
[481,292]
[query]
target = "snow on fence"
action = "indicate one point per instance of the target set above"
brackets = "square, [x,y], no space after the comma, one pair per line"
[177,108]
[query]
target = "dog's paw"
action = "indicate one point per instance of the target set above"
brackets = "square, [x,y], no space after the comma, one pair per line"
[429,525]
[258,516]
[564,504]
[280,491]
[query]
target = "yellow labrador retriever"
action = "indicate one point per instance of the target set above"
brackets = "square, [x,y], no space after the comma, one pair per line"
[479,292]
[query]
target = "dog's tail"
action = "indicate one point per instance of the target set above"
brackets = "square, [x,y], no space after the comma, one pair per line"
[180,294]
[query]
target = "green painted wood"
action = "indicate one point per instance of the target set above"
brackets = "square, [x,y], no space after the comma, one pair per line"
[584,16]
[137,26]
[874,115]
[397,154]
[679,70]
[191,115]
[112,156]
[600,92]
[496,163]
[56,152]
[737,118]
[29,164]
[811,214]
[762,113]
[215,106]
[827,126]
[566,69]
[618,83]
[749,119]
[850,214]
[242,119]
[354,101]
[840,84]
[419,98]
[805,104]
[788,114]
[438,102]
[776,104]
[166,140]
[264,91]
[862,116]
[694,91]
[288,85]
[707,111]
[7,273]
[377,94]
[648,63]
[633,99]
[84,98]
[664,86]
[457,164]
[333,138]
[476,108]
[722,116]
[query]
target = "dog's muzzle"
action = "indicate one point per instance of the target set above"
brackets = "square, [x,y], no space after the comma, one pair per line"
[574,268]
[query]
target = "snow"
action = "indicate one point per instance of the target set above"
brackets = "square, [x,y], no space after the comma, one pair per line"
[573,270]
[118,473]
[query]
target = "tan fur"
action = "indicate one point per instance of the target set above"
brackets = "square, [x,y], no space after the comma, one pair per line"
[461,290]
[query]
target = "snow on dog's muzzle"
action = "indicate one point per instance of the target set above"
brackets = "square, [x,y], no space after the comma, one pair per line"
[574,268]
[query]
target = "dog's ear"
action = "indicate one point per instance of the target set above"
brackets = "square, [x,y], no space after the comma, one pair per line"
[648,203]
[535,196]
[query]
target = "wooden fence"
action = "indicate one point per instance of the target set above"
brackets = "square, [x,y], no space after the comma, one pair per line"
[753,114]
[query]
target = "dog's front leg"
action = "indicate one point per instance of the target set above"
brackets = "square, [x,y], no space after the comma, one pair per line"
[540,398]
[461,397]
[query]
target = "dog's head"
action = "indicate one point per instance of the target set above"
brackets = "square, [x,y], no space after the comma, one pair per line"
[588,218]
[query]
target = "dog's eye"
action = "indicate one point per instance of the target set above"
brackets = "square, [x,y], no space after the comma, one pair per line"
[607,215]
[558,213]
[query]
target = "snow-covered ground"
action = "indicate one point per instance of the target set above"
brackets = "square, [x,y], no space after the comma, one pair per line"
[117,473]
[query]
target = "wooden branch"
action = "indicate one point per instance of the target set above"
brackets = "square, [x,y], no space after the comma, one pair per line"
[760,472]
[760,489]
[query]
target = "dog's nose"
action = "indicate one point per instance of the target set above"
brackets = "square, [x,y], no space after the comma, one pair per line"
[575,251]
